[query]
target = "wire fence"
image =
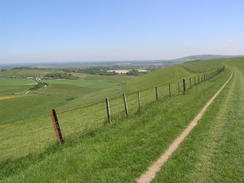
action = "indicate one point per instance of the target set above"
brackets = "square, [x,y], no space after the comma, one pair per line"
[35,136]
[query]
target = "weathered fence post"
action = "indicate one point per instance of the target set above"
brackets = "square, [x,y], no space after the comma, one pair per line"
[108,110]
[178,87]
[198,80]
[204,77]
[56,126]
[156,92]
[139,100]
[190,82]
[184,86]
[169,90]
[125,104]
[195,81]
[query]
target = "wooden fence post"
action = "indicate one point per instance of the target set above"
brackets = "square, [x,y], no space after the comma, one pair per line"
[184,86]
[108,110]
[195,81]
[56,126]
[125,104]
[139,100]
[156,92]
[178,87]
[169,90]
[190,82]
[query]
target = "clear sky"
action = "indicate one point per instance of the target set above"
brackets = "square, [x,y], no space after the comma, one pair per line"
[79,30]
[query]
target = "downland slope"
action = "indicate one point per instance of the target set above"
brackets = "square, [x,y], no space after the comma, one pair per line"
[214,150]
[118,152]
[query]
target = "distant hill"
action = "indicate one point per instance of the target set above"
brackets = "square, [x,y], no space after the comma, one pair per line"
[85,64]
[201,57]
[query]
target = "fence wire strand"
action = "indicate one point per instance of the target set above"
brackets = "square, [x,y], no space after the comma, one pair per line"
[93,116]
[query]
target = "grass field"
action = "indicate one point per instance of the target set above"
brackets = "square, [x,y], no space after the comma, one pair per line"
[61,94]
[199,66]
[83,83]
[15,82]
[121,151]
[13,97]
[214,151]
[14,86]
[20,73]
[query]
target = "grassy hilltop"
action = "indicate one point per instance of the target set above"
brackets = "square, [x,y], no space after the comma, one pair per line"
[95,151]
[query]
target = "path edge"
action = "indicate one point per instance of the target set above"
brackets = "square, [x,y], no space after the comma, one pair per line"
[151,172]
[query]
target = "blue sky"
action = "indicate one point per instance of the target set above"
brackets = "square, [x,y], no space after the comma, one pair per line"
[77,30]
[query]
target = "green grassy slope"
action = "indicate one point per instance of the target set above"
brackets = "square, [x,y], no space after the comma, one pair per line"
[28,116]
[213,152]
[173,73]
[69,94]
[13,90]
[12,86]
[14,82]
[115,153]
[203,66]
[119,152]
[60,94]
[15,110]
[158,77]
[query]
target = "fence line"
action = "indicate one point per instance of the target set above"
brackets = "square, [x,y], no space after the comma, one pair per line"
[106,110]
[138,98]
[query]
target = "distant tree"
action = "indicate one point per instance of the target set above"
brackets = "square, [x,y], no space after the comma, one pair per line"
[133,72]
[61,75]
[38,86]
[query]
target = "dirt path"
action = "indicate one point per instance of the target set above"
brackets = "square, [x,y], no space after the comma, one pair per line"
[213,160]
[150,174]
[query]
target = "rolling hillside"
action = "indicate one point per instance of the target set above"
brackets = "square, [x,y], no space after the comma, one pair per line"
[95,151]
[202,57]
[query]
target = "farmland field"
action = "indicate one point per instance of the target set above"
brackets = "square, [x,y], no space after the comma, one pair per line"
[15,82]
[123,150]
[59,93]
[84,83]
[14,86]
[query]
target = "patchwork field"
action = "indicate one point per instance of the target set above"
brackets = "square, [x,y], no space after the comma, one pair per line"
[95,151]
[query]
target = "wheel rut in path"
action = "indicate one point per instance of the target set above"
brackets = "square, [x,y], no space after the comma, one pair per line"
[150,174]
